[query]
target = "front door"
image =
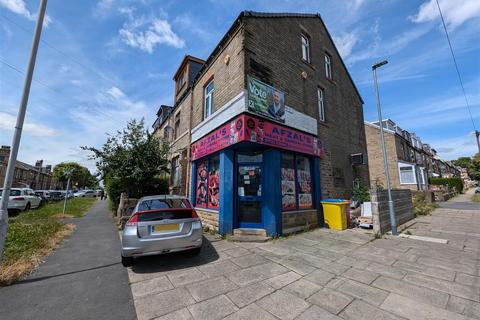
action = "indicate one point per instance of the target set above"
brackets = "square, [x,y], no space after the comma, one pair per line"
[249,190]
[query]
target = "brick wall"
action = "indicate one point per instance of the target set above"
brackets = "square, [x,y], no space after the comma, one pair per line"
[294,221]
[228,77]
[402,204]
[209,218]
[273,55]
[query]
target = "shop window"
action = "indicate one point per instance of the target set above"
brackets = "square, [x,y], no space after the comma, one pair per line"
[208,183]
[296,183]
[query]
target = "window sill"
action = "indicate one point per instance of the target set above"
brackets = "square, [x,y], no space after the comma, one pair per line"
[324,124]
[331,81]
[309,64]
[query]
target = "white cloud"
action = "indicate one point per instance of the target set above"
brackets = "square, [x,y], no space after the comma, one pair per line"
[147,34]
[454,12]
[453,148]
[20,7]
[345,44]
[8,121]
[116,93]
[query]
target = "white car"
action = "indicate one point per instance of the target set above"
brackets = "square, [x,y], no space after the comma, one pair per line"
[22,199]
[85,194]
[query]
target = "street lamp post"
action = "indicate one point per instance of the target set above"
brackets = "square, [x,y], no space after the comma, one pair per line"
[393,220]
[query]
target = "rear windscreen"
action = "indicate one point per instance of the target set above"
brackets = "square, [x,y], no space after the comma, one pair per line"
[154,204]
[161,215]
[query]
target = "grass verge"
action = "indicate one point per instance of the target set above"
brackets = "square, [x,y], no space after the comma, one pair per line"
[34,234]
[476,198]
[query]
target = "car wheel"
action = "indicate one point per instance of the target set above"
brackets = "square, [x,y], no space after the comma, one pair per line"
[127,261]
[195,252]
[27,207]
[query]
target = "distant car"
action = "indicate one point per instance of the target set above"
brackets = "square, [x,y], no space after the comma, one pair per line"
[161,224]
[44,194]
[21,199]
[85,194]
[56,195]
[477,190]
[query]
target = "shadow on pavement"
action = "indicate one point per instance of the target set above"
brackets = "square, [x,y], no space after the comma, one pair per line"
[176,260]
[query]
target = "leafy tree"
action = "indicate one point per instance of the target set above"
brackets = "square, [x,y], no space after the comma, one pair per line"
[471,164]
[81,176]
[463,162]
[131,159]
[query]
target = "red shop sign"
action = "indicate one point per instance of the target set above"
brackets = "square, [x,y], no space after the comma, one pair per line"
[253,129]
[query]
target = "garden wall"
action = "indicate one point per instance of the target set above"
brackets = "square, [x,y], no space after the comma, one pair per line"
[402,204]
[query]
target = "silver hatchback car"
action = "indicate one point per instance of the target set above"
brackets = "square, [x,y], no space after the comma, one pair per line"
[161,224]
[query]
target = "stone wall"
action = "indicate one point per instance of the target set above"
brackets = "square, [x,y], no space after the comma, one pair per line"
[294,221]
[209,218]
[402,204]
[273,55]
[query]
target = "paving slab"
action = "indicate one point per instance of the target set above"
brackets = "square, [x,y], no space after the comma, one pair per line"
[182,314]
[359,310]
[249,294]
[282,280]
[317,313]
[156,305]
[320,277]
[251,312]
[213,309]
[330,300]
[147,287]
[363,276]
[364,292]
[210,288]
[283,305]
[303,288]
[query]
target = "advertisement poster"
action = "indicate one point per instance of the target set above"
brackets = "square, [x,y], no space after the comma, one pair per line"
[214,183]
[201,196]
[265,100]
[304,183]
[288,188]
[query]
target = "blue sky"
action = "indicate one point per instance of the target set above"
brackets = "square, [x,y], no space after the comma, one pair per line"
[104,62]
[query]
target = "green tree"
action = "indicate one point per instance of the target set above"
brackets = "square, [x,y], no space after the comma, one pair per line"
[81,176]
[463,162]
[471,164]
[130,160]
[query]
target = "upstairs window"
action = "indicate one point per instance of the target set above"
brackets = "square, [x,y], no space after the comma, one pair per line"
[182,80]
[177,125]
[305,48]
[321,106]
[208,103]
[328,66]
[176,173]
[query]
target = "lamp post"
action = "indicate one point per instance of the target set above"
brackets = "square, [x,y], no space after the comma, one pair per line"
[393,220]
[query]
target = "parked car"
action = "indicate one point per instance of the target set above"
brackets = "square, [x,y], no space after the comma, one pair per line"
[56,195]
[477,190]
[161,224]
[44,194]
[85,194]
[21,199]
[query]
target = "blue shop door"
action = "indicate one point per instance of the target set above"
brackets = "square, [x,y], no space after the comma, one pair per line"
[249,193]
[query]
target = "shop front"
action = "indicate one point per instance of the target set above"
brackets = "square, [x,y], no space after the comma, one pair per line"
[255,173]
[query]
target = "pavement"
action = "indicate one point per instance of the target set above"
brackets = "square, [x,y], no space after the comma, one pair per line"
[83,279]
[324,274]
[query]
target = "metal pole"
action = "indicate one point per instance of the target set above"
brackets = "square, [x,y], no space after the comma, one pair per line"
[18,128]
[393,221]
[66,194]
[477,135]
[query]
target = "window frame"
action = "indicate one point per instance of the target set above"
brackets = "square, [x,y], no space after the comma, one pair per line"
[306,45]
[208,109]
[209,162]
[176,170]
[177,121]
[321,103]
[405,165]
[328,66]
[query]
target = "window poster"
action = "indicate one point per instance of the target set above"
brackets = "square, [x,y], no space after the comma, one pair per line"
[202,173]
[214,183]
[288,182]
[304,183]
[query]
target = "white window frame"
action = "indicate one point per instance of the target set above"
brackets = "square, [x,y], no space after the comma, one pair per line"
[321,104]
[414,175]
[177,171]
[305,47]
[176,133]
[328,66]
[208,100]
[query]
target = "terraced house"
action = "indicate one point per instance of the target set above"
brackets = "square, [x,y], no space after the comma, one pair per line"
[276,124]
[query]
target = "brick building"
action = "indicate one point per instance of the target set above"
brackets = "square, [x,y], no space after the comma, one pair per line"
[25,175]
[411,162]
[275,121]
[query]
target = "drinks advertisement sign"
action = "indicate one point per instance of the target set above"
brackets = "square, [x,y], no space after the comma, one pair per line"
[265,100]
[248,128]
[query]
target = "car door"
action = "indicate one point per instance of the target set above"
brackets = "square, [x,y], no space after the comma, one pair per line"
[32,198]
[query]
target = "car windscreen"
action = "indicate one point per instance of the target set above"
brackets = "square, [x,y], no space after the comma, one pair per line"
[155,204]
[13,193]
[165,214]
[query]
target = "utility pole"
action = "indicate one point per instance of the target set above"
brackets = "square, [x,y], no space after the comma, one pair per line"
[477,135]
[67,173]
[18,128]
[393,220]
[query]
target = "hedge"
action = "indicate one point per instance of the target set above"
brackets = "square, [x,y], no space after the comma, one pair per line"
[454,182]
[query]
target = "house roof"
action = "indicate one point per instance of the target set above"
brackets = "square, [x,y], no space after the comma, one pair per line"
[184,62]
[256,14]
